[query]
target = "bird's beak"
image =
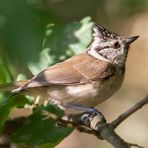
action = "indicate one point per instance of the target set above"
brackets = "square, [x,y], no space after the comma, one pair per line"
[131,39]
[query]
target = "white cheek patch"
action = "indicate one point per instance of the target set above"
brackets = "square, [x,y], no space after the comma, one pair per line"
[95,54]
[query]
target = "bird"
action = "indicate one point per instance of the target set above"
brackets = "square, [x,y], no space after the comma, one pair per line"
[85,80]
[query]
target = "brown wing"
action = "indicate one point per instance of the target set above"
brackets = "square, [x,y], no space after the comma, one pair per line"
[94,69]
[79,69]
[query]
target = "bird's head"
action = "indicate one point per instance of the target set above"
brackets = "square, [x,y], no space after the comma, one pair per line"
[108,46]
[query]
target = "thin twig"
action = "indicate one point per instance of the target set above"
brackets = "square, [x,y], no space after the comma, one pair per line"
[135,145]
[129,112]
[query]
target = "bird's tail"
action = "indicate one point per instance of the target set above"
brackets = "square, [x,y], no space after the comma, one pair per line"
[12,86]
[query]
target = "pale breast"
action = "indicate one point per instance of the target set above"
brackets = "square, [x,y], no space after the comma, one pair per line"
[90,94]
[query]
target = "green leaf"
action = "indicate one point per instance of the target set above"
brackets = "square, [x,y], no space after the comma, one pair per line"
[62,42]
[8,104]
[8,101]
[5,108]
[48,145]
[21,77]
[23,30]
[5,75]
[36,131]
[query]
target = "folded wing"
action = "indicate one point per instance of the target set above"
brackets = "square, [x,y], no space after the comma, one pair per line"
[80,69]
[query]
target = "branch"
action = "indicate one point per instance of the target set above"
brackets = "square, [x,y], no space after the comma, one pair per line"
[101,130]
[129,112]
[98,128]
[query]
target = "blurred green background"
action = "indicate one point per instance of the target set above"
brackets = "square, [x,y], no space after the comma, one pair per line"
[23,24]
[35,34]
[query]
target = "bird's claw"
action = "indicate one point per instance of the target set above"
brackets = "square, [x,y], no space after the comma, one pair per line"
[88,116]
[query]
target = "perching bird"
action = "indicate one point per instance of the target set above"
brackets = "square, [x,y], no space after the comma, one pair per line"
[84,80]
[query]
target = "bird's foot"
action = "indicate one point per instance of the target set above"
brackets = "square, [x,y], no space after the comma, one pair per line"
[88,116]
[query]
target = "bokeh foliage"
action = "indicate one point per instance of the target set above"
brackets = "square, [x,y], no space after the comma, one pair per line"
[35,34]
[26,43]
[37,131]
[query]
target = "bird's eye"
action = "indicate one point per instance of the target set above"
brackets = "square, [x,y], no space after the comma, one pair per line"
[116,45]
